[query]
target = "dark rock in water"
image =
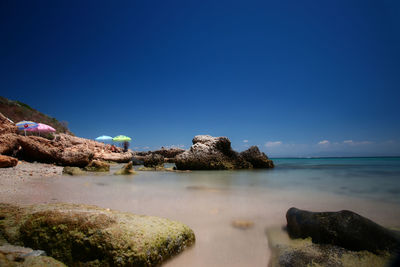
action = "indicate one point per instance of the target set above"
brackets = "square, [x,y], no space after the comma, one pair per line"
[257,158]
[98,166]
[153,160]
[212,153]
[126,170]
[81,235]
[137,161]
[343,228]
[287,252]
[6,161]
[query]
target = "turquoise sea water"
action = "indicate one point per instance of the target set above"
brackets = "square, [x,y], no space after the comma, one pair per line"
[376,178]
[372,178]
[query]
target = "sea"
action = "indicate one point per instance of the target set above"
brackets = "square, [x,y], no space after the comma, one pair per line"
[210,202]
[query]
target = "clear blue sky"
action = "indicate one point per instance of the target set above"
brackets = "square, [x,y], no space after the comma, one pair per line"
[297,78]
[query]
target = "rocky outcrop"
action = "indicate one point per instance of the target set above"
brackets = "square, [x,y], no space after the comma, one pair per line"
[215,153]
[9,144]
[153,160]
[80,235]
[344,228]
[98,166]
[126,170]
[6,126]
[169,152]
[6,161]
[36,148]
[122,157]
[257,158]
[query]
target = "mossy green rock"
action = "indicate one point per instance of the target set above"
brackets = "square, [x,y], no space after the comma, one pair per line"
[299,252]
[98,166]
[32,261]
[81,235]
[126,170]
[74,171]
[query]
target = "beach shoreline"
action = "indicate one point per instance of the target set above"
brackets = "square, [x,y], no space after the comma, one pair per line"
[207,208]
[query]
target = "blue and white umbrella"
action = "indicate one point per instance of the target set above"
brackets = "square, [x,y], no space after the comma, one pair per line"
[104,138]
[26,125]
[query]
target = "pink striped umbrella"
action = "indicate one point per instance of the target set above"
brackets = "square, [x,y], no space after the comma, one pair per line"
[42,128]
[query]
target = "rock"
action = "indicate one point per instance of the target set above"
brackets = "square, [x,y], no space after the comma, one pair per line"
[6,161]
[210,153]
[81,235]
[74,171]
[98,166]
[126,170]
[257,158]
[123,157]
[169,152]
[35,148]
[242,224]
[8,144]
[343,228]
[286,252]
[6,126]
[22,256]
[137,161]
[153,160]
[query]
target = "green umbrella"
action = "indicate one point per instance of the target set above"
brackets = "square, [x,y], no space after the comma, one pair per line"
[121,138]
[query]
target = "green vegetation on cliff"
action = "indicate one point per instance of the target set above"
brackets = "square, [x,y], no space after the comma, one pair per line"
[18,111]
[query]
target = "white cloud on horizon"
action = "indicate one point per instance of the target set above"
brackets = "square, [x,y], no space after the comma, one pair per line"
[273,143]
[245,141]
[354,143]
[324,142]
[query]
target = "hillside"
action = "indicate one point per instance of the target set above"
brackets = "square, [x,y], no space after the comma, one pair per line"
[18,111]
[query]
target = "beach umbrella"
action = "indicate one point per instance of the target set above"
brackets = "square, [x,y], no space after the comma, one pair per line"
[42,128]
[26,125]
[104,138]
[121,138]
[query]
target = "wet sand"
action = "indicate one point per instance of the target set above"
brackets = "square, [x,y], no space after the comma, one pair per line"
[208,208]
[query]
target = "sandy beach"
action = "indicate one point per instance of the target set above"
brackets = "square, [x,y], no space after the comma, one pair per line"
[208,208]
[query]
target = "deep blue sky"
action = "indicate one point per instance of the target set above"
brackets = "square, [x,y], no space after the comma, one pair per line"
[297,78]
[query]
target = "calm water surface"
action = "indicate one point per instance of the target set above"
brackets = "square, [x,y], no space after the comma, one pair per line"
[209,201]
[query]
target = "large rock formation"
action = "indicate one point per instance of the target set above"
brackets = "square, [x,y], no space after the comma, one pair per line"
[257,158]
[344,228]
[80,235]
[215,153]
[36,148]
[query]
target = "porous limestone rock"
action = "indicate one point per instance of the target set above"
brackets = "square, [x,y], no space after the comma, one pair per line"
[257,158]
[216,153]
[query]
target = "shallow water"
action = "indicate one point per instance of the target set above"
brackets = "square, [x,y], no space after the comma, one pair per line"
[209,201]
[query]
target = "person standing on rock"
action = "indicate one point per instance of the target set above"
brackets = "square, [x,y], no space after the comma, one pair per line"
[126,146]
